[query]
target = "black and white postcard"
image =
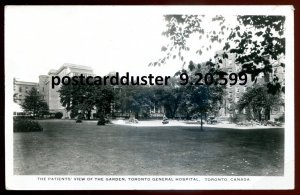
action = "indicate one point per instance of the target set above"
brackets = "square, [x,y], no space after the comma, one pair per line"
[149,97]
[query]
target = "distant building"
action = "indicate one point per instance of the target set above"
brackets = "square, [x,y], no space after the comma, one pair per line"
[235,92]
[21,88]
[50,95]
[44,86]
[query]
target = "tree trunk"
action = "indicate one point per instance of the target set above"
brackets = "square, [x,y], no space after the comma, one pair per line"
[201,123]
[267,113]
[89,115]
[259,115]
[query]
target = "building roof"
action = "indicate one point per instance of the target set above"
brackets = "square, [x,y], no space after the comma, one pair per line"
[52,71]
[25,83]
[74,66]
[44,76]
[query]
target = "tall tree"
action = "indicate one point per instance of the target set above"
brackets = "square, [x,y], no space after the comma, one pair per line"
[200,99]
[34,103]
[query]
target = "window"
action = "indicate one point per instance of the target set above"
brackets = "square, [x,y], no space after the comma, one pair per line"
[20,89]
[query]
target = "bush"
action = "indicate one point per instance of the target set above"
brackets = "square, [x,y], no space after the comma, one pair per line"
[233,119]
[78,121]
[26,126]
[58,115]
[23,117]
[146,115]
[73,114]
[101,120]
[281,119]
[236,118]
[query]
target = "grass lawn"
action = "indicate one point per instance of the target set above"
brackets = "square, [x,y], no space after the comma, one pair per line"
[69,148]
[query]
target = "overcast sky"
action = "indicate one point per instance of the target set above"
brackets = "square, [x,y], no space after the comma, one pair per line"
[107,39]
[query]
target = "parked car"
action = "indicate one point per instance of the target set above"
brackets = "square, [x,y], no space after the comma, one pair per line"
[212,120]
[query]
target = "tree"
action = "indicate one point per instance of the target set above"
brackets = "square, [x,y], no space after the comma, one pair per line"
[181,30]
[257,41]
[81,99]
[201,99]
[259,47]
[34,103]
[136,99]
[257,100]
[103,98]
[170,97]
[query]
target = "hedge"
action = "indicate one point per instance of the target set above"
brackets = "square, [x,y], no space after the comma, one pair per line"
[26,126]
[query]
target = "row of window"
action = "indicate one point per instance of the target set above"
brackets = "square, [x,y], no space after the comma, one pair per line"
[27,89]
[20,96]
[79,74]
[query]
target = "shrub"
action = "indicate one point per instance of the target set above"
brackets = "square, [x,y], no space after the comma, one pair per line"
[73,114]
[26,126]
[58,115]
[281,119]
[23,117]
[146,115]
[101,120]
[236,118]
[233,119]
[79,118]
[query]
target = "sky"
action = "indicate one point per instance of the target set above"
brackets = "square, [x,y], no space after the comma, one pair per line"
[40,38]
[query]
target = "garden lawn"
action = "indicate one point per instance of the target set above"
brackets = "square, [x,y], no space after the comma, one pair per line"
[69,148]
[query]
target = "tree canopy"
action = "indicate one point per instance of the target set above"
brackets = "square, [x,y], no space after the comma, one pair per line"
[81,99]
[34,103]
[257,41]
